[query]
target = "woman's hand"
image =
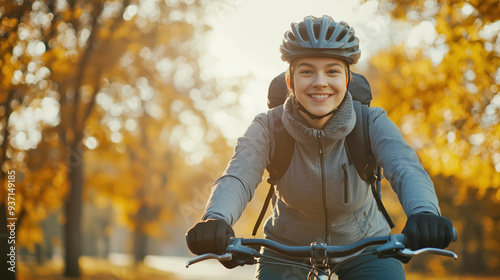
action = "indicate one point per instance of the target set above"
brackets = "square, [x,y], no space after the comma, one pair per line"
[428,230]
[210,236]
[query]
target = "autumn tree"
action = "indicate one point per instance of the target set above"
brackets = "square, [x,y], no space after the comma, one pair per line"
[137,63]
[443,94]
[12,126]
[150,160]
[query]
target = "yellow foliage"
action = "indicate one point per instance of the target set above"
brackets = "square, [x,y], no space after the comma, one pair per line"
[104,33]
[448,113]
[139,169]
[411,85]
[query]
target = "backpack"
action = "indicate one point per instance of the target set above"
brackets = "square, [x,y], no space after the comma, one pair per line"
[357,143]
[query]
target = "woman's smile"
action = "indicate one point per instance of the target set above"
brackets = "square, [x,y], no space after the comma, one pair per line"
[319,97]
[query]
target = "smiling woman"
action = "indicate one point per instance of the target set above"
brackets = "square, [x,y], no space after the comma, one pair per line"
[310,199]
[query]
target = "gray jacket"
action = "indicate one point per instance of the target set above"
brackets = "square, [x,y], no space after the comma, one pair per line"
[321,197]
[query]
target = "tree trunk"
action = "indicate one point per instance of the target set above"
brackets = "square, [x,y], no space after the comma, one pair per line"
[39,254]
[140,241]
[72,227]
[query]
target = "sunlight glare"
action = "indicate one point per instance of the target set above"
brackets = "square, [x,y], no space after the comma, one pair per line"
[91,142]
[131,125]
[104,100]
[130,12]
[477,139]
[467,9]
[116,137]
[50,111]
[154,110]
[421,35]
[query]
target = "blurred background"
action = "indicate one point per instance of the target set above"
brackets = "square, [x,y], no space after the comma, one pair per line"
[117,117]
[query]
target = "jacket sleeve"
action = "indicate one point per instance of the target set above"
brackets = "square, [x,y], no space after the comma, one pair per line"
[401,165]
[235,188]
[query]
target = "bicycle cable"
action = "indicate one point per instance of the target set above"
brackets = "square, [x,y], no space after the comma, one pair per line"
[290,264]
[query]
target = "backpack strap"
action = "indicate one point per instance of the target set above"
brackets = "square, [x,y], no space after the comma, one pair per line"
[360,154]
[280,159]
[377,194]
[283,148]
[358,145]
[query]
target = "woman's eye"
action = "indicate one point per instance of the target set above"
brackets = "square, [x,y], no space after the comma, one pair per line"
[333,71]
[306,72]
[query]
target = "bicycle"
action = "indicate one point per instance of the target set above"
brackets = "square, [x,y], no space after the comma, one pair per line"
[245,252]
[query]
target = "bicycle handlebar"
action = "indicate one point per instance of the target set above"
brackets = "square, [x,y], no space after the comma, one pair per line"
[305,251]
[391,245]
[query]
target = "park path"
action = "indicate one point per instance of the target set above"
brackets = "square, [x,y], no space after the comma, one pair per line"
[208,270]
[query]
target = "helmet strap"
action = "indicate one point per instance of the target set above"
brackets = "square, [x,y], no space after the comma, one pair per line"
[311,115]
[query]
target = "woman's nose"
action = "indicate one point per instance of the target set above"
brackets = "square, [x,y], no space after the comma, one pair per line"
[319,80]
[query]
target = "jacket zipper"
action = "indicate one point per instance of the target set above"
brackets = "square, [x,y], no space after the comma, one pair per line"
[323,182]
[346,194]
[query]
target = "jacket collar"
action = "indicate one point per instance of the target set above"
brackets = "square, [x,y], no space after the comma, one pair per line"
[338,126]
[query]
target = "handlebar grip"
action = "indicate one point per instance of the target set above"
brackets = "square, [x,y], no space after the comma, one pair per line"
[454,237]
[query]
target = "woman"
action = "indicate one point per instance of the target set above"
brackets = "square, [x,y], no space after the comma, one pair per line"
[310,204]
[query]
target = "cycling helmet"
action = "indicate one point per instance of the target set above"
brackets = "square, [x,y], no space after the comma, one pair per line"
[320,37]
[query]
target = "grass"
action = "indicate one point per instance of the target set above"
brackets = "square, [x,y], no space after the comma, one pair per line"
[91,269]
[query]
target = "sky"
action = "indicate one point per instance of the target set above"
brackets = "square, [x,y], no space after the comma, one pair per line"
[246,39]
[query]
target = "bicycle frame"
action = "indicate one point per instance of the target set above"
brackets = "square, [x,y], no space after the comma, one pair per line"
[319,253]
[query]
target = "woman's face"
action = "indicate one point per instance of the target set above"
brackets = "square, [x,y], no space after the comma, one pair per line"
[319,84]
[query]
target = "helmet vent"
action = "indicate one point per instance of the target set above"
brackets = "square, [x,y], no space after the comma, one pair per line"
[329,34]
[342,34]
[317,30]
[303,33]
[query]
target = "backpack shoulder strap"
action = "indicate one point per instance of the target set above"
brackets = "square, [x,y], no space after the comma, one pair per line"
[283,148]
[280,160]
[359,153]
[358,145]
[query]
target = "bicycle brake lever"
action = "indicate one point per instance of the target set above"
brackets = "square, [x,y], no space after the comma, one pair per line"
[208,256]
[235,246]
[390,247]
[410,253]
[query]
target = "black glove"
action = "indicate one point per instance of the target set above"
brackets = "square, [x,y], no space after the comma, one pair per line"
[209,236]
[428,230]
